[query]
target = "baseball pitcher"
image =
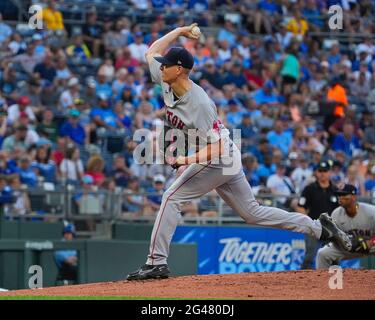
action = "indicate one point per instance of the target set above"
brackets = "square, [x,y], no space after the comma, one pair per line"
[188,107]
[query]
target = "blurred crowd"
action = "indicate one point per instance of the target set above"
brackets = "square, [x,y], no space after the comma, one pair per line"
[71,97]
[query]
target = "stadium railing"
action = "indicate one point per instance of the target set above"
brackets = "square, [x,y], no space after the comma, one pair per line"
[108,205]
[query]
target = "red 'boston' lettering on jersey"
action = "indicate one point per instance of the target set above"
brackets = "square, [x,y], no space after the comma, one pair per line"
[175,121]
[180,125]
[169,115]
[216,126]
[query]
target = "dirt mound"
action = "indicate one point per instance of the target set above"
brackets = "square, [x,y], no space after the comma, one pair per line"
[356,284]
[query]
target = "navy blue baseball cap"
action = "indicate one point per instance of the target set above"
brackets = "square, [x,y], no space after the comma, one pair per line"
[69,229]
[323,166]
[346,189]
[177,56]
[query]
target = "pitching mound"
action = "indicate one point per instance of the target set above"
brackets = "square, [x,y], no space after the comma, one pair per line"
[357,284]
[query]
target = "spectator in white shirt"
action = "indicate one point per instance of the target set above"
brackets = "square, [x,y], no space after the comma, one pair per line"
[62,71]
[281,185]
[71,167]
[16,43]
[29,59]
[224,51]
[284,37]
[31,136]
[302,175]
[68,96]
[368,47]
[107,69]
[138,49]
[22,107]
[141,4]
[363,69]
[244,47]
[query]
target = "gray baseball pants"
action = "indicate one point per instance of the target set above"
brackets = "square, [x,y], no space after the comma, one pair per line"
[234,189]
[331,255]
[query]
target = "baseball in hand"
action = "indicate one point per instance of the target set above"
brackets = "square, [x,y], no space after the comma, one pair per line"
[196,31]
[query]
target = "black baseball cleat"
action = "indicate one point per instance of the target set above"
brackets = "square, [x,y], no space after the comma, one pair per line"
[331,232]
[147,271]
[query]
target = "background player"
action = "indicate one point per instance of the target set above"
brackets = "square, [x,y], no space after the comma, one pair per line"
[189,107]
[356,218]
[316,198]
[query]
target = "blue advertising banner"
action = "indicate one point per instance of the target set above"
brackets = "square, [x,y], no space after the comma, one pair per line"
[246,249]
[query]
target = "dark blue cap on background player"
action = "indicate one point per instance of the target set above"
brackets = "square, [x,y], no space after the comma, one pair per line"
[177,56]
[323,166]
[346,189]
[69,228]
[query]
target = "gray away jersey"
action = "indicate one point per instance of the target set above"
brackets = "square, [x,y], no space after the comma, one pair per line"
[363,224]
[194,110]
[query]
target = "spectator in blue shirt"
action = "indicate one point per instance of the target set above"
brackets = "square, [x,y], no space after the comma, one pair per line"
[5,31]
[236,76]
[234,114]
[265,94]
[6,192]
[40,48]
[312,14]
[43,165]
[346,141]
[78,49]
[156,193]
[120,172]
[159,4]
[266,169]
[267,10]
[361,60]
[8,84]
[67,260]
[280,138]
[247,129]
[250,166]
[126,95]
[104,116]
[227,33]
[102,86]
[247,132]
[198,5]
[269,5]
[123,119]
[334,56]
[26,173]
[73,129]
[46,69]
[261,149]
[155,33]
[212,75]
[370,182]
[128,153]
